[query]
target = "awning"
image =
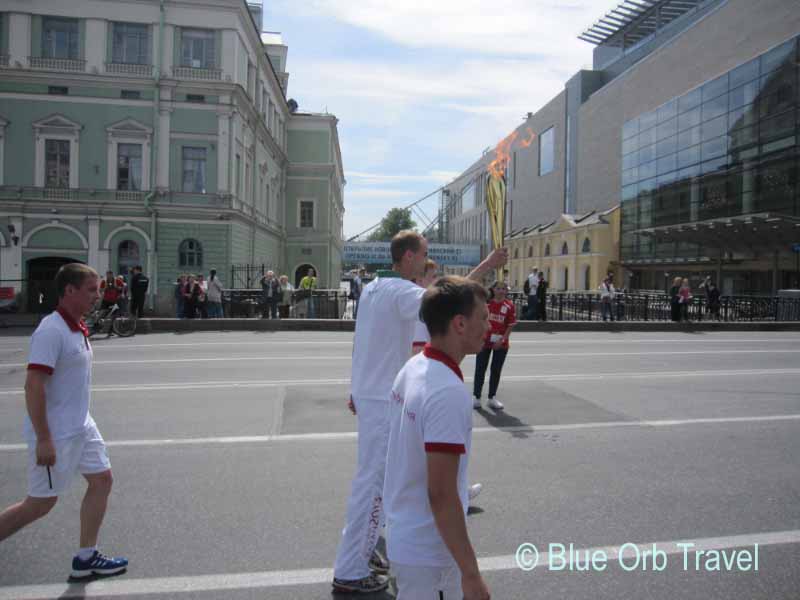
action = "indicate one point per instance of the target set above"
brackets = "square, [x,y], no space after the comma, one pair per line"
[757,233]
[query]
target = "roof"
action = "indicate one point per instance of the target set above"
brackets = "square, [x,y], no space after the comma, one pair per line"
[634,20]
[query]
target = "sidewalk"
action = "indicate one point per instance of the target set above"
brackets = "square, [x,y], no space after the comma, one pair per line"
[159,325]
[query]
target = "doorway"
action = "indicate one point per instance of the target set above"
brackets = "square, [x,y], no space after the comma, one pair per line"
[41,294]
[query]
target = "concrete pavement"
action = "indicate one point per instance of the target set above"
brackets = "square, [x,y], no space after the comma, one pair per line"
[233,454]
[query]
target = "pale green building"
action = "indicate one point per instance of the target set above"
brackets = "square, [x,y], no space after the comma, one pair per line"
[158,132]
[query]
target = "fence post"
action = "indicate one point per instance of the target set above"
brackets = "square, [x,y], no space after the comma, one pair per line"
[560,307]
[646,308]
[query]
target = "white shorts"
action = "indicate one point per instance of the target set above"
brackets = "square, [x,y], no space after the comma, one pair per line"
[427,583]
[85,453]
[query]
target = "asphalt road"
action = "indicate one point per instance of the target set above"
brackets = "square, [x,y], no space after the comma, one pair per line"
[233,454]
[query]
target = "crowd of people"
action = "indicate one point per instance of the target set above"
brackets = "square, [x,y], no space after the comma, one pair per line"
[198,297]
[128,294]
[681,299]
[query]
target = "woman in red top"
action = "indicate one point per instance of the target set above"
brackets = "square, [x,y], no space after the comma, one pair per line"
[502,318]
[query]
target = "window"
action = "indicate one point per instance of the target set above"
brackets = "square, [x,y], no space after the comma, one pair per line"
[516,252]
[530,251]
[238,175]
[190,253]
[564,249]
[57,90]
[131,44]
[198,48]
[547,251]
[195,98]
[587,246]
[194,170]
[129,167]
[60,38]
[130,94]
[546,152]
[127,256]
[307,213]
[587,278]
[56,163]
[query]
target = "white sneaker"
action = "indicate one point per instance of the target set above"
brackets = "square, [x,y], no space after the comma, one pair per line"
[495,404]
[476,403]
[475,490]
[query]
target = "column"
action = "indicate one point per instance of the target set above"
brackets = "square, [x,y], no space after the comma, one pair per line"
[19,42]
[162,160]
[223,151]
[95,45]
[94,244]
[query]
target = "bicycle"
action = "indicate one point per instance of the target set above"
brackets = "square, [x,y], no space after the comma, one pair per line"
[110,321]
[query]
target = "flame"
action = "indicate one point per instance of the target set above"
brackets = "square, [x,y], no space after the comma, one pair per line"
[502,153]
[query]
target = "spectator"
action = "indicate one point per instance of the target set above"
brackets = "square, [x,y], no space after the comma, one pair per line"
[285,297]
[529,289]
[110,291]
[202,297]
[685,299]
[270,295]
[502,318]
[674,300]
[180,284]
[191,291]
[541,297]
[356,285]
[607,295]
[139,285]
[713,296]
[214,296]
[309,283]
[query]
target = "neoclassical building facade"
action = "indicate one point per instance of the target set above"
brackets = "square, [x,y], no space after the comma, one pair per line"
[160,133]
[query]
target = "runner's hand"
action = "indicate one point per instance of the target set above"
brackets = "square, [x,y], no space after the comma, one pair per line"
[45,453]
[351,405]
[474,588]
[497,258]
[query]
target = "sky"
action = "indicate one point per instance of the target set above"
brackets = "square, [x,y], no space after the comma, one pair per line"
[422,87]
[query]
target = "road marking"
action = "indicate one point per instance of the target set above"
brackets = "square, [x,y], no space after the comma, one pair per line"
[270,383]
[123,586]
[307,357]
[351,435]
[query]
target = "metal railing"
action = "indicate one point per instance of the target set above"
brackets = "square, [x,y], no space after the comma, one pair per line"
[136,70]
[299,304]
[197,73]
[57,64]
[631,306]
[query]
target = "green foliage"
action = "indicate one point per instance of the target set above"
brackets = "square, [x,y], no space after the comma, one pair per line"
[396,220]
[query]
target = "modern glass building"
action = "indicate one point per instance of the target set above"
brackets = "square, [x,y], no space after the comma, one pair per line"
[712,175]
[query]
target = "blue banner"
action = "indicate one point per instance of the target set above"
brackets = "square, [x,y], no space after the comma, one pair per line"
[377,253]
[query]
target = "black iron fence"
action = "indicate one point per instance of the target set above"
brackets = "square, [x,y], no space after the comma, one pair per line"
[631,306]
[298,304]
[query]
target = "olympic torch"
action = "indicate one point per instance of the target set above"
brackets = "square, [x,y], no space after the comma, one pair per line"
[496,207]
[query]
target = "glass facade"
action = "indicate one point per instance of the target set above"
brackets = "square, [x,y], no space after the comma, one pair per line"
[726,148]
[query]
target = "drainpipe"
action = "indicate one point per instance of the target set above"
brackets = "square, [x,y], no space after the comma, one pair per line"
[154,162]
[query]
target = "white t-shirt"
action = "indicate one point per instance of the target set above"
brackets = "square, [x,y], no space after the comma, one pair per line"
[533,281]
[421,335]
[431,412]
[60,347]
[387,312]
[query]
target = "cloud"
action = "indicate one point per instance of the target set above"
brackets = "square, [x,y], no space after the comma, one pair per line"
[377,193]
[435,176]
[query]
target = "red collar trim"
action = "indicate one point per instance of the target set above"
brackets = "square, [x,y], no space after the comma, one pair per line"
[434,354]
[73,326]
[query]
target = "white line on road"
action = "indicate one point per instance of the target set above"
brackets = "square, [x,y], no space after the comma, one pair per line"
[351,435]
[270,383]
[270,579]
[345,357]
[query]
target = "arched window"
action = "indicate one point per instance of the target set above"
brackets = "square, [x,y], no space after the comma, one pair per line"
[127,256]
[190,253]
[516,252]
[530,251]
[587,246]
[547,250]
[565,249]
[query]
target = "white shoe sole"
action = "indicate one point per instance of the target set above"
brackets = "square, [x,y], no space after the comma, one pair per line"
[87,573]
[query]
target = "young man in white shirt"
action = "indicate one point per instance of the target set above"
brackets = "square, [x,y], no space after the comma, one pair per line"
[425,491]
[388,311]
[62,437]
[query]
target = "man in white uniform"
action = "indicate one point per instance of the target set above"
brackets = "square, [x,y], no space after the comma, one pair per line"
[62,437]
[387,313]
[426,492]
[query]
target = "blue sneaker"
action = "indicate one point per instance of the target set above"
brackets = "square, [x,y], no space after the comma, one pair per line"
[98,564]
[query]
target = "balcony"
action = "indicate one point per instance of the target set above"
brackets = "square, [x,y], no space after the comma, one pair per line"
[128,196]
[129,69]
[57,64]
[196,74]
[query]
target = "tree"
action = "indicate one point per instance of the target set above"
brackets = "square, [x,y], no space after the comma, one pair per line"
[395,220]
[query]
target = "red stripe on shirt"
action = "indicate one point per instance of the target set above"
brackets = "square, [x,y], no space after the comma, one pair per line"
[445,448]
[419,344]
[43,368]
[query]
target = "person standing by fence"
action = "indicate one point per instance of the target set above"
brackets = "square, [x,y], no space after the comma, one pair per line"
[529,288]
[308,284]
[180,285]
[607,295]
[674,300]
[214,296]
[270,295]
[139,285]
[684,299]
[541,297]
[286,297]
[502,317]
